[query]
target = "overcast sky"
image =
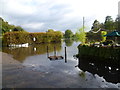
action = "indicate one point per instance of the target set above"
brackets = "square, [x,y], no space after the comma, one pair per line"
[41,15]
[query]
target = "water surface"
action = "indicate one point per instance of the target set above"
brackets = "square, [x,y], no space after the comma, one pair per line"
[58,73]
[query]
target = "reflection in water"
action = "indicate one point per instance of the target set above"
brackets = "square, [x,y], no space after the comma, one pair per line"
[69,42]
[109,72]
[38,49]
[35,58]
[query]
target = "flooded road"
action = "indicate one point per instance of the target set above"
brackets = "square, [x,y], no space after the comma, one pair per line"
[34,70]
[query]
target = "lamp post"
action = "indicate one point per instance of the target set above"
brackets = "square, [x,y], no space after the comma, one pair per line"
[83,23]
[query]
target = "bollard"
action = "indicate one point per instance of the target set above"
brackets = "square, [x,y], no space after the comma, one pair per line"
[65,56]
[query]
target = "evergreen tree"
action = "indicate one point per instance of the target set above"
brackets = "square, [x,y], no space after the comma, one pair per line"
[109,23]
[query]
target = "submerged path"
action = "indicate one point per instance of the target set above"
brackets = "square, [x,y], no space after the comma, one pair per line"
[15,75]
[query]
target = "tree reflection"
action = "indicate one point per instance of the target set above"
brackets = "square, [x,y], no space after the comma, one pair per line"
[21,53]
[68,42]
[106,70]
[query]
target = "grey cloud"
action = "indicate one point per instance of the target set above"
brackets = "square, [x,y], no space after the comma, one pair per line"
[51,14]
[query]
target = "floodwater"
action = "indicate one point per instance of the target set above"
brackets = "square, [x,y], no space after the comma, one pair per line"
[37,71]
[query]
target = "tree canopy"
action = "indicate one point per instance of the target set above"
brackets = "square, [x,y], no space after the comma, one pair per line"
[96,25]
[108,25]
[6,27]
[81,35]
[68,34]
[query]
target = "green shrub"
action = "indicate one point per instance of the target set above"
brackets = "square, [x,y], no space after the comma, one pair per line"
[16,38]
[103,53]
[20,37]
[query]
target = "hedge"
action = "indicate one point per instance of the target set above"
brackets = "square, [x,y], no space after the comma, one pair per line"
[21,37]
[109,54]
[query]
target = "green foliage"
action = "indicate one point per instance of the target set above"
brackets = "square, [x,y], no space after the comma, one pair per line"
[59,33]
[101,53]
[117,23]
[109,23]
[18,28]
[93,36]
[81,35]
[96,25]
[50,30]
[68,34]
[22,53]
[6,27]
[102,34]
[20,37]
[68,42]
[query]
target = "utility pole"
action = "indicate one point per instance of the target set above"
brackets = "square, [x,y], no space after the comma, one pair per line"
[83,23]
[119,15]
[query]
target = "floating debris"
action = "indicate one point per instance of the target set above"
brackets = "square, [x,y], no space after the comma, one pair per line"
[109,68]
[117,69]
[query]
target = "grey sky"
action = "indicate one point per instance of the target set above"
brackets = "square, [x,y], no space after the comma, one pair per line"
[40,15]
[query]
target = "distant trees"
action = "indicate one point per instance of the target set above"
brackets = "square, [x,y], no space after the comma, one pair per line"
[80,35]
[118,20]
[102,35]
[6,27]
[17,28]
[50,30]
[117,23]
[68,34]
[108,25]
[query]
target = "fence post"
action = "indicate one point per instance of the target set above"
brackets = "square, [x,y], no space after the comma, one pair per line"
[65,56]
